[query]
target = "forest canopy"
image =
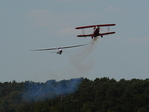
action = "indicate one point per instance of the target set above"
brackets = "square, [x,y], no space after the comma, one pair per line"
[75,95]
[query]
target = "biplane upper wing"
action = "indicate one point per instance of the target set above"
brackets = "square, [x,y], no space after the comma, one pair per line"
[59,47]
[102,25]
[107,33]
[87,35]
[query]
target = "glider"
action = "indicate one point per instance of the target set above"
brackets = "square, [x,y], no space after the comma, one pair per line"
[96,30]
[59,48]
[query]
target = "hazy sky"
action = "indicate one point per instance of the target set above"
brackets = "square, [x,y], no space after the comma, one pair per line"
[33,24]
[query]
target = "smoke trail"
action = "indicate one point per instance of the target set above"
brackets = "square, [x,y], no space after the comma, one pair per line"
[78,60]
[49,89]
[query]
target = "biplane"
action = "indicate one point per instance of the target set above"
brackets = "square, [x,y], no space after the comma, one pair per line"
[59,48]
[96,30]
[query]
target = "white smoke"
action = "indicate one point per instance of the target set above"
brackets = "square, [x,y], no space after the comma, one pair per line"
[78,61]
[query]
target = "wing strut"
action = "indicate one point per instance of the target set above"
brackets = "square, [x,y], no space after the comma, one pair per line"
[83,31]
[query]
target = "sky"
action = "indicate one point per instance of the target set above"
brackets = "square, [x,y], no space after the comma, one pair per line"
[34,24]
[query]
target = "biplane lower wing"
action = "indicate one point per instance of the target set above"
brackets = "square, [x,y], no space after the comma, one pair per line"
[107,33]
[91,35]
[88,35]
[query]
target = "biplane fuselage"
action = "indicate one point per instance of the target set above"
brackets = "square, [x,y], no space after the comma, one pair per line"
[95,32]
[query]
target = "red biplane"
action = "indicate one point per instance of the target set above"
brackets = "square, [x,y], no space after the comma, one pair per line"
[96,30]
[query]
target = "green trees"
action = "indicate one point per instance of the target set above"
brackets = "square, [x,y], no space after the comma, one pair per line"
[76,95]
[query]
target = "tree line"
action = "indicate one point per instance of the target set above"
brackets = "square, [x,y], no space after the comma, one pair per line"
[75,95]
